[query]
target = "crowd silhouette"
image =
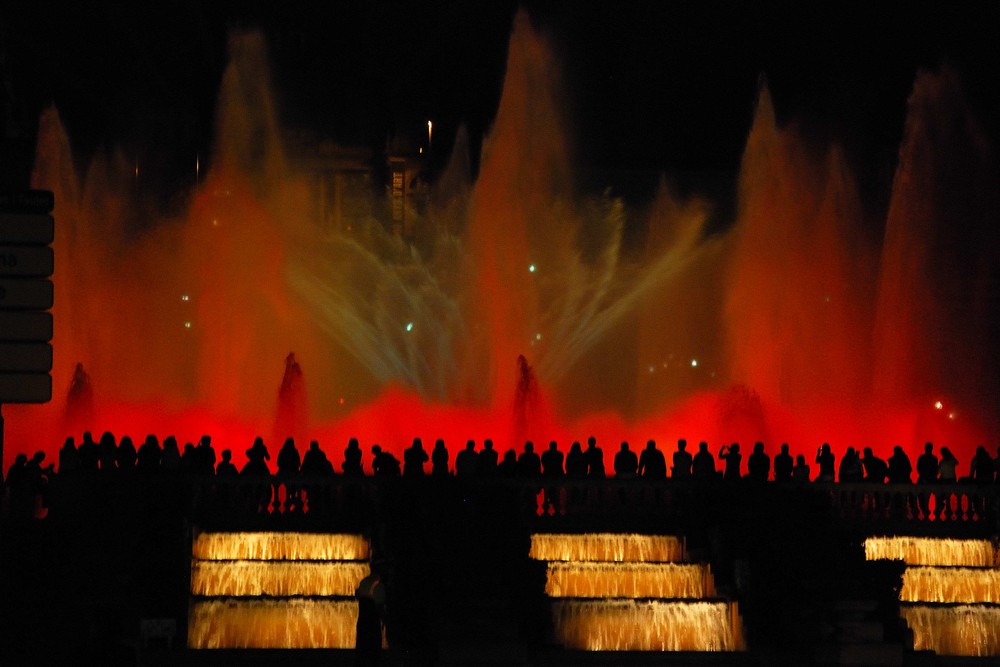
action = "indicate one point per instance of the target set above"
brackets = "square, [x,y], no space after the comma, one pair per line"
[27,479]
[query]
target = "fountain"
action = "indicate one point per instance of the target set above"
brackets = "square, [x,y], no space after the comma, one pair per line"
[950,593]
[771,315]
[617,592]
[275,590]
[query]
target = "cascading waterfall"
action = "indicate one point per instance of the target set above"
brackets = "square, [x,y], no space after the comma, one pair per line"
[275,590]
[951,592]
[632,593]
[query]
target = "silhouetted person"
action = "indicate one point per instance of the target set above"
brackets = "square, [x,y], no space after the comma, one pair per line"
[226,469]
[626,463]
[508,466]
[731,455]
[170,458]
[88,453]
[439,459]
[758,463]
[851,469]
[69,458]
[703,465]
[315,463]
[467,460]
[127,455]
[927,465]
[149,454]
[257,457]
[204,460]
[107,452]
[982,466]
[682,461]
[827,464]
[783,464]
[552,461]
[371,600]
[529,465]
[800,473]
[189,459]
[20,495]
[576,462]
[652,463]
[352,466]
[486,460]
[948,466]
[899,466]
[876,470]
[414,458]
[37,478]
[384,464]
[595,459]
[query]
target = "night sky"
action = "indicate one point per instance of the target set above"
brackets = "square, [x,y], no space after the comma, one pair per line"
[651,86]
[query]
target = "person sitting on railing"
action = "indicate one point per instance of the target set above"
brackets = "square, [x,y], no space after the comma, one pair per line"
[149,455]
[226,469]
[529,465]
[170,458]
[595,459]
[783,464]
[800,473]
[682,461]
[384,464]
[927,465]
[652,464]
[899,467]
[947,467]
[552,469]
[758,463]
[439,459]
[508,466]
[352,465]
[414,458]
[576,462]
[876,469]
[467,460]
[703,464]
[851,469]
[626,463]
[69,458]
[315,463]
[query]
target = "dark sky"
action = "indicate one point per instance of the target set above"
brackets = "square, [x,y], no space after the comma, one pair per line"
[652,85]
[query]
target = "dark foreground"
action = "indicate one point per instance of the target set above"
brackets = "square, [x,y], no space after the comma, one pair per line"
[75,586]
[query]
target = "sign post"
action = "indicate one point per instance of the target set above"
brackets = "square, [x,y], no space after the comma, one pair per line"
[27,231]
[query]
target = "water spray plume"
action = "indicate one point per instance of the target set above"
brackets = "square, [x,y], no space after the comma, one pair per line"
[792,324]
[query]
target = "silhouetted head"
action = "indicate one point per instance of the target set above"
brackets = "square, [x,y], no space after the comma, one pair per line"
[651,444]
[702,446]
[38,457]
[735,447]
[928,447]
[758,447]
[825,448]
[226,455]
[868,452]
[314,445]
[682,445]
[205,440]
[289,443]
[784,448]
[510,455]
[850,452]
[353,443]
[591,441]
[418,443]
[439,444]
[575,447]
[376,450]
[69,443]
[945,453]
[624,446]
[487,444]
[470,445]
[800,460]
[20,459]
[529,446]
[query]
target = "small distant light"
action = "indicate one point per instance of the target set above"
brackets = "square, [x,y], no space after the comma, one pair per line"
[421,150]
[531,268]
[538,336]
[215,222]
[187,325]
[938,405]
[185,297]
[826,299]
[694,363]
[951,415]
[652,369]
[713,374]
[409,326]
[341,400]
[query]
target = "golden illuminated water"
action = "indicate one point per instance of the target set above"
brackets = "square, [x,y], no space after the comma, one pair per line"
[628,592]
[628,580]
[267,623]
[645,625]
[931,551]
[606,547]
[275,590]
[950,584]
[971,629]
[950,592]
[244,578]
[279,546]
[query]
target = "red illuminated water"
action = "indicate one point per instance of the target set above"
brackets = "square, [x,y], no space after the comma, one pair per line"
[798,324]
